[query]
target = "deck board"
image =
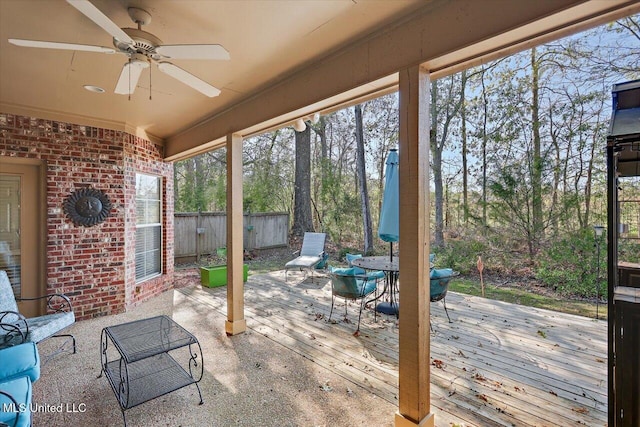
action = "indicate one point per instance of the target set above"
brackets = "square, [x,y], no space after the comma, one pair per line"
[496,364]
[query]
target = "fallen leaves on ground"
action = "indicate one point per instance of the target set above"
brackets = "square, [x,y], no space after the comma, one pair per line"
[479,377]
[482,397]
[438,363]
[542,333]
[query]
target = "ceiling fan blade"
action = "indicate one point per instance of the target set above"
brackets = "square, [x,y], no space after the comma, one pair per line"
[129,77]
[90,11]
[188,79]
[63,46]
[193,51]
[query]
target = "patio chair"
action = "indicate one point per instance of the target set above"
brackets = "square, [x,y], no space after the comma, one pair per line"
[350,286]
[15,328]
[439,284]
[311,254]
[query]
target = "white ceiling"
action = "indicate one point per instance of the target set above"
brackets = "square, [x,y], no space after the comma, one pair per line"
[267,40]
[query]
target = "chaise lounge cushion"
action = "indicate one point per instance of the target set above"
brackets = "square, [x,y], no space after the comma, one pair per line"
[7,299]
[303,261]
[18,361]
[42,327]
[20,390]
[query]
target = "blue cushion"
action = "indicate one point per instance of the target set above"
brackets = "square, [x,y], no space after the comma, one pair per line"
[351,271]
[372,275]
[351,257]
[18,361]
[369,286]
[438,273]
[20,390]
[323,263]
[376,274]
[439,283]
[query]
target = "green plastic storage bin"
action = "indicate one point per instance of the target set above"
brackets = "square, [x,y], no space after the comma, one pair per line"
[216,275]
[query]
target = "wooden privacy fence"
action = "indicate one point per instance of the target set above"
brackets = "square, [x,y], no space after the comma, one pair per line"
[197,234]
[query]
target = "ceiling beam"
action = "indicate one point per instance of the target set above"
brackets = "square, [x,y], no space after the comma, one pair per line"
[445,36]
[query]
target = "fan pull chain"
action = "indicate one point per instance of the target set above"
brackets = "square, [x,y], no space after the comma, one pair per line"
[129,70]
[150,83]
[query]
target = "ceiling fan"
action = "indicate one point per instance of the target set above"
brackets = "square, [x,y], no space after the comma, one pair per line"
[142,48]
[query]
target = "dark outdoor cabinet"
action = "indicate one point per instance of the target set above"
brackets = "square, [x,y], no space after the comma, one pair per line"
[623,194]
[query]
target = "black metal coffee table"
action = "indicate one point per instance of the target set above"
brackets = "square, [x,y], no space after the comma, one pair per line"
[143,368]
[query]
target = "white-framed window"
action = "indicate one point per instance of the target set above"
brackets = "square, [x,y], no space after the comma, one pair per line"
[148,226]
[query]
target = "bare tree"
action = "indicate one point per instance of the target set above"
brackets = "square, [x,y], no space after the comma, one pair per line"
[362,181]
[302,219]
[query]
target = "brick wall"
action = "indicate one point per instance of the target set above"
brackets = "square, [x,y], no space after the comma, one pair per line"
[95,266]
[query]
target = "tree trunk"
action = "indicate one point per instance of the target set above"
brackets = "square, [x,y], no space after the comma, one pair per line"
[536,161]
[320,129]
[485,141]
[362,181]
[200,184]
[464,149]
[437,168]
[302,219]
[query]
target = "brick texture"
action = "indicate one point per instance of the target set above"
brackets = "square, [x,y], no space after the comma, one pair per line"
[94,266]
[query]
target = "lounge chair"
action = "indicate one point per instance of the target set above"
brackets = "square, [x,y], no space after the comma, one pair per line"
[311,253]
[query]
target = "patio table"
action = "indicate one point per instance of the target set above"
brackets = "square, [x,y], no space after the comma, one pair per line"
[143,368]
[390,267]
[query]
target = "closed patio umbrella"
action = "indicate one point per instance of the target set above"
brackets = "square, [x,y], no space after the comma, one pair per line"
[389,226]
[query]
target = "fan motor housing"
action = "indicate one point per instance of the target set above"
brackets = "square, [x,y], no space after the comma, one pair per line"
[145,43]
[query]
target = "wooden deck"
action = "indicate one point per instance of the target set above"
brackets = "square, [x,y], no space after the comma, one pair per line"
[496,364]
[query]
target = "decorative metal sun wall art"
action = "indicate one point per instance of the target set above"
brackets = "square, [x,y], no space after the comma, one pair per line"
[87,207]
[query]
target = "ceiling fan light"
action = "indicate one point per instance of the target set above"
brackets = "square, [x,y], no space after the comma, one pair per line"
[188,79]
[299,125]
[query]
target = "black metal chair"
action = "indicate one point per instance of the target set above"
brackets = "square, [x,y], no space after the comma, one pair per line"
[346,284]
